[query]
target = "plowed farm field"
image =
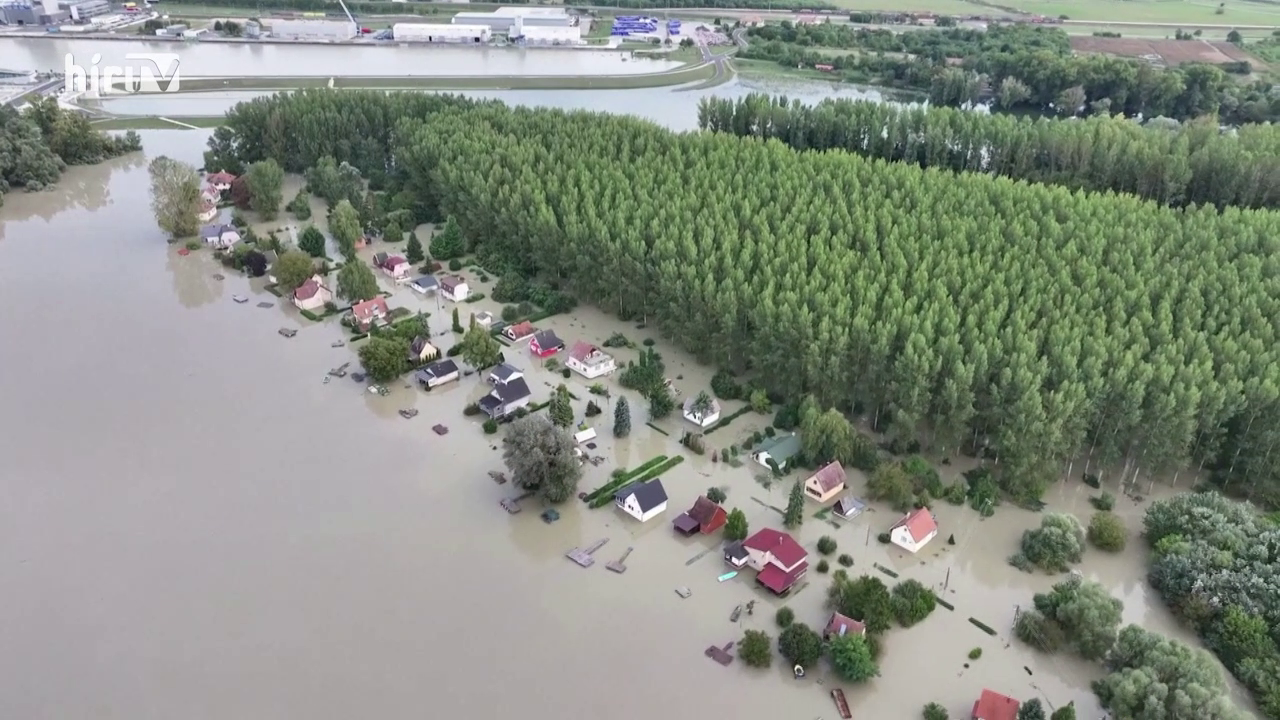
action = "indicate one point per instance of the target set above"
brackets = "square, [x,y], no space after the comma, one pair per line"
[1166,52]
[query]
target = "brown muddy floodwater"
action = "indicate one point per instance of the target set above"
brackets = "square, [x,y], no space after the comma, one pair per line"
[194,526]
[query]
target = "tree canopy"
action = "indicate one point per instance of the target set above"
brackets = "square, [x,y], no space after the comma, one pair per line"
[265,181]
[1155,678]
[1056,544]
[175,196]
[851,658]
[1087,614]
[865,599]
[1026,321]
[292,269]
[38,143]
[540,458]
[356,282]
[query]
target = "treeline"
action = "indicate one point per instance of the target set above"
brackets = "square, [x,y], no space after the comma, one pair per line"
[1186,164]
[1018,66]
[1026,322]
[357,7]
[37,144]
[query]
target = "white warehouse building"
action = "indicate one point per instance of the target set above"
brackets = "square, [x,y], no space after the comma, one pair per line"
[441,33]
[502,20]
[535,35]
[314,29]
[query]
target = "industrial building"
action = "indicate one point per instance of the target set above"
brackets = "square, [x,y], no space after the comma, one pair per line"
[82,11]
[534,35]
[314,29]
[441,33]
[503,20]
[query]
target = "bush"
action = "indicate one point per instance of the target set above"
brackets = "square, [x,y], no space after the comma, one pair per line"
[845,559]
[648,342]
[490,427]
[455,265]
[826,545]
[510,313]
[1039,631]
[756,649]
[1107,532]
[934,711]
[724,386]
[716,495]
[565,372]
[1104,502]
[1058,542]
[1092,481]
[883,538]
[472,409]
[454,352]
[975,653]
[912,602]
[593,409]
[193,244]
[597,389]
[785,617]
[822,566]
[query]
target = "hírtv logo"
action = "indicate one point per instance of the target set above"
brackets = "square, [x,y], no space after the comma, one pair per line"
[117,80]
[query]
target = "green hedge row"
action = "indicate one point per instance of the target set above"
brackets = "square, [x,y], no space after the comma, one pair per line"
[727,419]
[655,427]
[310,316]
[946,604]
[885,570]
[982,626]
[620,480]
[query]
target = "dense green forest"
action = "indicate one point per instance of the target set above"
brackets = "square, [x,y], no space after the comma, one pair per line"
[1024,321]
[1016,66]
[1171,164]
[37,144]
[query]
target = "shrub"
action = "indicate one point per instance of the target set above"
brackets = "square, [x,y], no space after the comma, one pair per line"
[982,626]
[912,602]
[455,265]
[1092,481]
[597,389]
[193,244]
[770,432]
[756,649]
[934,711]
[472,409]
[1104,502]
[490,427]
[617,340]
[510,313]
[826,545]
[883,538]
[565,372]
[956,492]
[1107,532]
[454,351]
[648,342]
[1039,631]
[785,617]
[1058,542]
[845,559]
[551,364]
[593,409]
[975,653]
[822,566]
[716,495]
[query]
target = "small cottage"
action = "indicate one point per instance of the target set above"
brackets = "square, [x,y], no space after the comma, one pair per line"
[396,267]
[701,410]
[848,507]
[220,236]
[545,344]
[421,350]
[914,530]
[994,706]
[704,517]
[437,373]
[312,294]
[842,625]
[779,449]
[826,483]
[735,555]
[504,373]
[590,361]
[642,500]
[425,284]
[454,288]
[485,319]
[519,331]
[220,181]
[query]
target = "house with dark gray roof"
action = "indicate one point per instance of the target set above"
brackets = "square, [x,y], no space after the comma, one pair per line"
[437,373]
[506,398]
[642,500]
[503,373]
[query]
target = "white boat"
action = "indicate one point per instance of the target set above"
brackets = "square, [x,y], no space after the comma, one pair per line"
[728,576]
[326,379]
[240,298]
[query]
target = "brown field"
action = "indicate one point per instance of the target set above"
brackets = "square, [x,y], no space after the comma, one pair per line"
[1164,52]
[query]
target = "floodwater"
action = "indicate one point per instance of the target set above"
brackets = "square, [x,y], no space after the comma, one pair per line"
[195,526]
[673,108]
[271,59]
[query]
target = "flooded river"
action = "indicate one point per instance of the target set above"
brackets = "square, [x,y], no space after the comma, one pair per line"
[195,526]
[259,60]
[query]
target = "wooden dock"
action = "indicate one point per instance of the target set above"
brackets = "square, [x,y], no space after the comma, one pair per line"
[619,565]
[842,705]
[583,557]
[721,655]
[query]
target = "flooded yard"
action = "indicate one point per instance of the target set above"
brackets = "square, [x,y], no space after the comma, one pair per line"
[197,526]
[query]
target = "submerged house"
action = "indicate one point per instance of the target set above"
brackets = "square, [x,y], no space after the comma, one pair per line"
[369,313]
[914,530]
[701,410]
[312,294]
[779,449]
[519,331]
[437,373]
[545,344]
[421,350]
[780,560]
[842,625]
[425,284]
[590,361]
[736,555]
[992,705]
[642,500]
[503,373]
[848,507]
[826,483]
[506,398]
[704,517]
[454,288]
[220,236]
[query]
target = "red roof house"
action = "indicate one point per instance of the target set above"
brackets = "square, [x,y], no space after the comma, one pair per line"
[826,483]
[369,312]
[519,331]
[395,266]
[705,517]
[545,344]
[779,558]
[843,625]
[994,706]
[914,530]
[220,180]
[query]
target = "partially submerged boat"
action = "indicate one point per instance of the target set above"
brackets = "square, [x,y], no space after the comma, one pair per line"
[550,516]
[684,592]
[408,413]
[379,390]
[337,343]
[737,613]
[798,672]
[728,576]
[288,332]
[240,299]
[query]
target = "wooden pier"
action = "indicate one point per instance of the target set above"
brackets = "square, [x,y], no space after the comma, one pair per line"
[619,565]
[721,655]
[583,557]
[842,705]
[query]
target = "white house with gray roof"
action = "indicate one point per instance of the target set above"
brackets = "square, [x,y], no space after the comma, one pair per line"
[642,501]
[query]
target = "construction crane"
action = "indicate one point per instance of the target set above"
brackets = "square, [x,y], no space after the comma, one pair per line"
[348,12]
